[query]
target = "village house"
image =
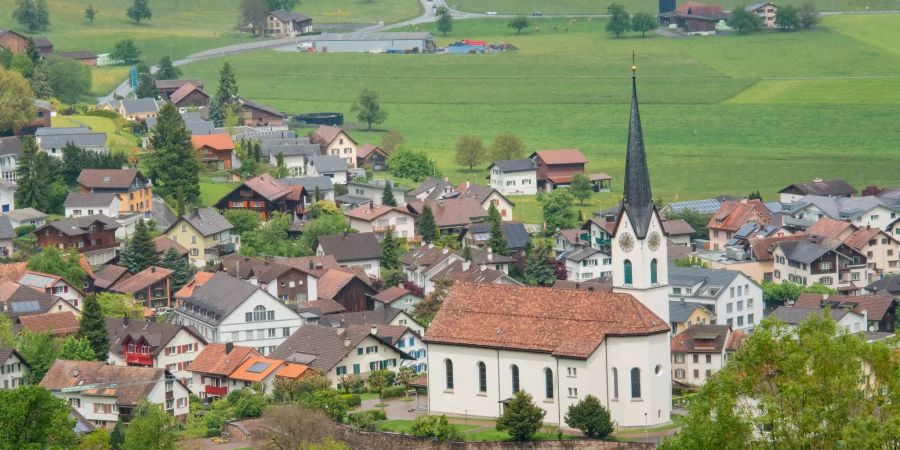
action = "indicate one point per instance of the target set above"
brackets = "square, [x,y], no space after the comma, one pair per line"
[731,217]
[57,324]
[26,216]
[85,57]
[569,239]
[153,344]
[163,243]
[382,220]
[134,189]
[281,23]
[679,232]
[189,96]
[880,248]
[13,41]
[262,370]
[328,166]
[14,368]
[10,150]
[7,234]
[373,190]
[683,315]
[294,152]
[18,300]
[290,280]
[168,87]
[427,264]
[371,155]
[104,394]
[206,233]
[453,215]
[879,308]
[734,298]
[433,188]
[514,233]
[353,249]
[694,17]
[556,168]
[255,114]
[54,285]
[93,236]
[356,349]
[314,188]
[264,195]
[52,141]
[336,142]
[868,211]
[514,177]
[80,204]
[395,297]
[212,366]
[824,188]
[701,351]
[766,12]
[215,150]
[108,275]
[349,289]
[151,286]
[487,196]
[808,262]
[507,339]
[138,109]
[226,309]
[586,263]
[43,113]
[394,326]
[845,318]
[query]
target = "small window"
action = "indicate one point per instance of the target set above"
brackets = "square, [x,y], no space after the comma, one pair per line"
[627,272]
[548,383]
[653,274]
[635,383]
[482,377]
[448,366]
[514,371]
[615,383]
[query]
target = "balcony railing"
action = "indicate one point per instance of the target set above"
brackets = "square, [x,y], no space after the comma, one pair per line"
[138,358]
[219,391]
[384,228]
[800,223]
[220,249]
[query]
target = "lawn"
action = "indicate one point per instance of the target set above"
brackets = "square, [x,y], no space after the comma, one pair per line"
[213,191]
[712,123]
[485,432]
[118,141]
[359,11]
[599,7]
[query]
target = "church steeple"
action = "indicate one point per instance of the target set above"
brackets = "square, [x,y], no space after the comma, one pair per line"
[637,200]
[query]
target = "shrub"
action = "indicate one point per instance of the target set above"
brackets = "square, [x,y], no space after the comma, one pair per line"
[366,420]
[589,416]
[352,384]
[393,392]
[353,400]
[103,113]
[24,229]
[521,417]
[435,426]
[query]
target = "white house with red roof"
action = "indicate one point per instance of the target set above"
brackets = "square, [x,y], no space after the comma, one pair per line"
[53,285]
[382,219]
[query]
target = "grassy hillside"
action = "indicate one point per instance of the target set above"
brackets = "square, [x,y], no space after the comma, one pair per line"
[726,114]
[599,7]
[119,141]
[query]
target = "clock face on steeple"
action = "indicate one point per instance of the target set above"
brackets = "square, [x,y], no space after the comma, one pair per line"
[626,242]
[654,240]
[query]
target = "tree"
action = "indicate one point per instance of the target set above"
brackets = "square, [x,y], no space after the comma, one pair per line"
[90,13]
[40,350]
[497,242]
[755,196]
[66,264]
[146,87]
[166,71]
[815,385]
[368,109]
[379,380]
[70,79]
[171,162]
[253,15]
[538,268]
[507,146]
[247,403]
[412,165]
[469,151]
[95,440]
[180,267]
[643,22]
[589,416]
[22,63]
[808,15]
[40,82]
[93,328]
[271,239]
[619,20]
[581,187]
[387,196]
[324,208]
[139,252]
[32,51]
[871,190]
[697,220]
[226,100]
[78,349]
[151,428]
[16,109]
[280,170]
[744,21]
[558,211]
[74,160]
[777,294]
[286,5]
[390,141]
[787,17]
[139,11]
[120,305]
[127,52]
[33,418]
[242,220]
[390,252]
[426,226]
[521,417]
[444,21]
[323,226]
[117,436]
[32,14]
[519,23]
[425,310]
[31,178]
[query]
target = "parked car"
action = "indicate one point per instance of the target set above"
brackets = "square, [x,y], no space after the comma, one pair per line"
[537,14]
[491,13]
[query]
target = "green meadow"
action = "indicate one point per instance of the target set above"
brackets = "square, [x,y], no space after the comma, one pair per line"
[599,7]
[727,114]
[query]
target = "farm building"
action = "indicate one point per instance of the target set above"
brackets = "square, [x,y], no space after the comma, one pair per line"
[371,42]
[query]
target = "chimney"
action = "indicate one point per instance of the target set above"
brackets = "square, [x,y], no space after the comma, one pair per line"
[465,265]
[75,372]
[346,342]
[229,346]
[374,330]
[444,251]
[312,265]
[482,267]
[490,254]
[152,269]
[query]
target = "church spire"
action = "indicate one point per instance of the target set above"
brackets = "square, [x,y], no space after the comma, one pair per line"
[637,199]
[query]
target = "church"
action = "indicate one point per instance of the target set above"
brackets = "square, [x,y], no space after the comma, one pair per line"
[489,341]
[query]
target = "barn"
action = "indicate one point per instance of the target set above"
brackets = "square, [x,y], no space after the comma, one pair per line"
[370,42]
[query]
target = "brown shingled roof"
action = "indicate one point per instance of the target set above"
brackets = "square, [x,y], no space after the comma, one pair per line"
[677,226]
[731,216]
[163,243]
[875,305]
[184,91]
[566,323]
[701,339]
[108,178]
[59,323]
[267,187]
[127,384]
[214,360]
[762,248]
[141,280]
[829,228]
[390,294]
[326,134]
[561,156]
[332,282]
[369,213]
[861,237]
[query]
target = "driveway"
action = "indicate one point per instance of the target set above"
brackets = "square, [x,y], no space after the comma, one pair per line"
[398,409]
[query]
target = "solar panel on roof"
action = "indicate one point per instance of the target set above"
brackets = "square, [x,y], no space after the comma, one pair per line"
[23,307]
[258,367]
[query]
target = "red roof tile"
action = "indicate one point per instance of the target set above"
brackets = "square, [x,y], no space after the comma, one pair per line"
[562,156]
[141,280]
[200,278]
[219,142]
[267,187]
[369,213]
[54,323]
[861,237]
[214,360]
[731,216]
[163,243]
[829,228]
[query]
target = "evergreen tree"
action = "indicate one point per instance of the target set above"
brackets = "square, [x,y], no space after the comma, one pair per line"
[387,197]
[497,242]
[117,436]
[521,417]
[538,270]
[226,98]
[90,13]
[93,327]
[140,10]
[40,82]
[139,252]
[390,252]
[166,71]
[78,349]
[171,162]
[32,52]
[181,269]
[146,87]
[32,178]
[426,226]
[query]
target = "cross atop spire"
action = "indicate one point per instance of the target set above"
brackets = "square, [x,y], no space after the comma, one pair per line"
[637,199]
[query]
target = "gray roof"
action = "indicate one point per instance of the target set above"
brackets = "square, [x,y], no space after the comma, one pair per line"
[139,105]
[888,283]
[264,135]
[836,187]
[6,228]
[707,278]
[514,165]
[351,246]
[580,254]
[309,183]
[207,221]
[803,251]
[681,311]
[322,347]
[840,208]
[200,127]
[793,315]
[162,214]
[288,16]
[75,226]
[637,200]
[221,295]
[381,316]
[514,232]
[25,214]
[157,334]
[48,131]
[328,163]
[79,140]
[10,145]
[756,6]
[88,199]
[370,36]
[293,147]
[352,200]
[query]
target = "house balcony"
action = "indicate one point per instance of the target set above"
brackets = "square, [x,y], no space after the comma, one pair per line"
[414,240]
[218,391]
[138,358]
[384,229]
[219,250]
[789,221]
[602,242]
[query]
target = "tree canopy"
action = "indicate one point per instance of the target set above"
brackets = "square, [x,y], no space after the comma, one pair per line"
[581,187]
[70,79]
[619,19]
[126,52]
[521,417]
[507,146]
[412,165]
[32,14]
[172,163]
[558,209]
[368,109]
[33,418]
[519,23]
[16,109]
[426,226]
[139,11]
[152,428]
[225,102]
[139,252]
[808,15]
[642,22]
[744,21]
[93,327]
[66,264]
[469,151]
[444,21]
[166,71]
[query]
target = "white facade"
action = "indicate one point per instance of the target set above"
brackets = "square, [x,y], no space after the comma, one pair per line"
[103,410]
[7,197]
[400,224]
[111,210]
[337,177]
[504,207]
[369,355]
[570,380]
[371,266]
[738,304]
[514,183]
[694,368]
[9,166]
[648,267]
[597,265]
[175,357]
[837,271]
[875,217]
[264,335]
[12,371]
